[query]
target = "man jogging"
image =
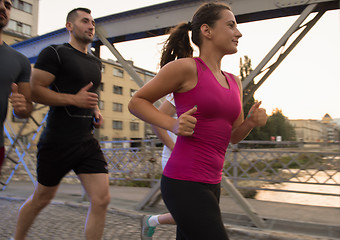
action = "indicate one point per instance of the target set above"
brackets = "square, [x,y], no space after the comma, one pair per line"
[66,77]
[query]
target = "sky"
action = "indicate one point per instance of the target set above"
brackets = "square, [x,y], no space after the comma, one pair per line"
[306,85]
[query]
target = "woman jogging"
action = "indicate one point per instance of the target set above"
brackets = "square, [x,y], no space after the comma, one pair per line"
[210,115]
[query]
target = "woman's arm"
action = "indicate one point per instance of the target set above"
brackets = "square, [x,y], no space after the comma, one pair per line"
[242,127]
[176,76]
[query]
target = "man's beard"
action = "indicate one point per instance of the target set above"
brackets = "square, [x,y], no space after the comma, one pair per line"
[4,22]
[83,39]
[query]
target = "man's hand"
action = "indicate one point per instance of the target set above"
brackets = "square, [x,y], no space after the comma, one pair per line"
[85,99]
[18,101]
[98,119]
[186,123]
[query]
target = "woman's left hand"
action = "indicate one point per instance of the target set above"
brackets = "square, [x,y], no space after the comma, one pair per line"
[257,116]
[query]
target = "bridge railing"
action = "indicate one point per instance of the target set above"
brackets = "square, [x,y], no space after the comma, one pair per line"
[271,163]
[257,165]
[252,165]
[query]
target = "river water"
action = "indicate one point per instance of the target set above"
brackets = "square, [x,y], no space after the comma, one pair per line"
[305,199]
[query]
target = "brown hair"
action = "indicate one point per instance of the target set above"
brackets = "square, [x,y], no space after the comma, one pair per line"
[178,44]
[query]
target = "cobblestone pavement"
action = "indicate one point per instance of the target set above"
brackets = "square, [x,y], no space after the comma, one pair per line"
[60,221]
[63,222]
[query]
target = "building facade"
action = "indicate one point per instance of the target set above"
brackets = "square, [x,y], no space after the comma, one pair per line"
[332,129]
[309,130]
[116,91]
[23,23]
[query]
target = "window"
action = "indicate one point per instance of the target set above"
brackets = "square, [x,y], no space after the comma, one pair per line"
[118,72]
[101,87]
[19,27]
[117,107]
[101,105]
[26,29]
[15,3]
[132,92]
[27,7]
[134,126]
[118,142]
[22,5]
[117,90]
[12,25]
[104,138]
[117,125]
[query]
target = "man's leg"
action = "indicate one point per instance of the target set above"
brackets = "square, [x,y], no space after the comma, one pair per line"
[41,197]
[96,186]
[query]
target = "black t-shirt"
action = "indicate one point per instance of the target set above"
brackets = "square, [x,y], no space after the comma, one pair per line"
[14,68]
[73,70]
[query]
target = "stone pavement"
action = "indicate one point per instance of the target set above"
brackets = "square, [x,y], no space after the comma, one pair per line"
[65,217]
[63,221]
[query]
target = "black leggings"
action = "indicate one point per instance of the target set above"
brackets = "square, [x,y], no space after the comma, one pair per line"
[195,208]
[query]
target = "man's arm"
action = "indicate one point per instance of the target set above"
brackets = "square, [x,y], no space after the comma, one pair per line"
[21,99]
[42,94]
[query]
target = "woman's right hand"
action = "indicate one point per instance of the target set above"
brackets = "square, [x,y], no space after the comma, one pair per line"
[185,124]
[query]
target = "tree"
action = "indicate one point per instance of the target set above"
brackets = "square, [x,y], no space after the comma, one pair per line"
[245,70]
[278,125]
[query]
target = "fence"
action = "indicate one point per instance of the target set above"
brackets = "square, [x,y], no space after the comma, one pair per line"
[249,165]
[269,163]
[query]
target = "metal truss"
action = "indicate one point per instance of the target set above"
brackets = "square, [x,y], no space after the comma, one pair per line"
[282,44]
[18,148]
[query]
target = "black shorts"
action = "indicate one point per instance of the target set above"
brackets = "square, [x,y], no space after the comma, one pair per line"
[55,160]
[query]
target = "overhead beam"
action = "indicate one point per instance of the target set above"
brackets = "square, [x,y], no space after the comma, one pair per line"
[102,35]
[155,20]
[250,88]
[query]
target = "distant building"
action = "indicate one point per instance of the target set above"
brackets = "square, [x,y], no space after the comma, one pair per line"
[332,128]
[23,23]
[309,130]
[116,91]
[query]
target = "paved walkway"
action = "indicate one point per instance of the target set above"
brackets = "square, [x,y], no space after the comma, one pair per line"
[65,217]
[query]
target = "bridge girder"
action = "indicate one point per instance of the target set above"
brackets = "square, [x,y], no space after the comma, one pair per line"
[155,20]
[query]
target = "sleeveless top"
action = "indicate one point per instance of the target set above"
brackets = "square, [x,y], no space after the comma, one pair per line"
[200,157]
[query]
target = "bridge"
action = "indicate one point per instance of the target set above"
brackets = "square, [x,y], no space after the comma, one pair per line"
[156,20]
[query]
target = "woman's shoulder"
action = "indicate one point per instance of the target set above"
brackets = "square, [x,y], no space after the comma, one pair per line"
[182,65]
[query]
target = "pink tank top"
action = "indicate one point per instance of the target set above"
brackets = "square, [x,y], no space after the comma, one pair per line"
[200,157]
